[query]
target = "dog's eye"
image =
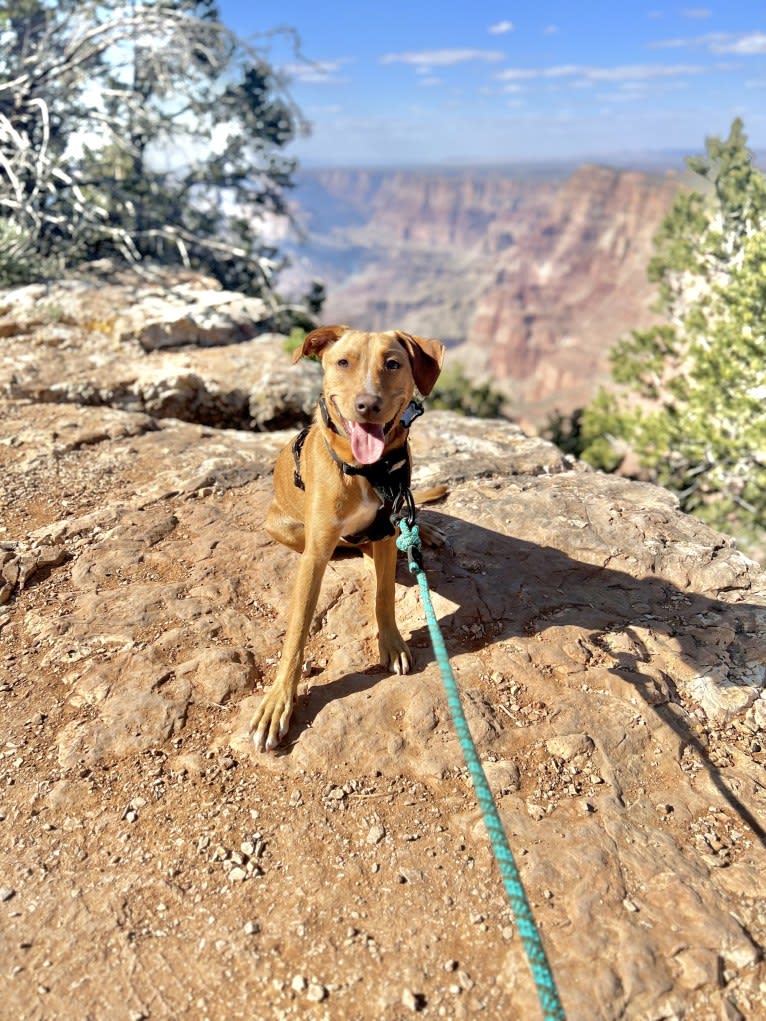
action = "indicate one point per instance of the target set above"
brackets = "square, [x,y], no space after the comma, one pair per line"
[343,363]
[392,364]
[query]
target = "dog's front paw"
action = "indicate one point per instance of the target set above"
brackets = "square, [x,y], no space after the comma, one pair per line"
[271,719]
[394,654]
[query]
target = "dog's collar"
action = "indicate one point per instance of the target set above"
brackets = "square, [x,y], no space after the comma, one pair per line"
[326,416]
[413,410]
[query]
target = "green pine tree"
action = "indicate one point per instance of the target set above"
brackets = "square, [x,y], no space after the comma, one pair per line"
[690,396]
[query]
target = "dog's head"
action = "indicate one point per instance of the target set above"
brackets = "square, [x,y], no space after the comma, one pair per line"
[369,379]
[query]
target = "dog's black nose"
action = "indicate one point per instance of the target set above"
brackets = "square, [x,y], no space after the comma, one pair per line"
[367,404]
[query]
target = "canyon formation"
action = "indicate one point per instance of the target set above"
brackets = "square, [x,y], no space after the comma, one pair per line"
[529,279]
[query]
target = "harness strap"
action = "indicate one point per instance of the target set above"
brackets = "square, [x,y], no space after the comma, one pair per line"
[298,442]
[390,479]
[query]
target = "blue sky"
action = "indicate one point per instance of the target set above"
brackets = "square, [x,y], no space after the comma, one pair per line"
[459,82]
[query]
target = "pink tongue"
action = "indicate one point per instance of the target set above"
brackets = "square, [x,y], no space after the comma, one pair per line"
[367,441]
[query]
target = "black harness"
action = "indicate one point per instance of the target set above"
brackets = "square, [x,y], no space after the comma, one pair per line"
[390,478]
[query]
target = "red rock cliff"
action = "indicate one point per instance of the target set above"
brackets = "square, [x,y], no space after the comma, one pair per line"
[532,280]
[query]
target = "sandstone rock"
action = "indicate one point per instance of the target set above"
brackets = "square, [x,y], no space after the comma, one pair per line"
[580,612]
[503,776]
[18,565]
[569,746]
[174,352]
[187,315]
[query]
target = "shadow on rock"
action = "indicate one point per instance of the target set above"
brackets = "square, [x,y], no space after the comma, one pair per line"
[690,657]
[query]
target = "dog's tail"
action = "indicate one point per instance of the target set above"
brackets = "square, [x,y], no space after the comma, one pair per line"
[431,495]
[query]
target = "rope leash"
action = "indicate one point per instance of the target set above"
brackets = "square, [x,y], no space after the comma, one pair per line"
[409,542]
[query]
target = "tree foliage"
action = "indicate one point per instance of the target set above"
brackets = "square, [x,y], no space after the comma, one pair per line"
[139,129]
[692,390]
[454,391]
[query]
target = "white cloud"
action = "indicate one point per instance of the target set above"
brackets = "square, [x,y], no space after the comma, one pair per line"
[430,81]
[640,91]
[440,58]
[319,72]
[627,72]
[551,30]
[501,28]
[743,44]
[746,45]
[696,12]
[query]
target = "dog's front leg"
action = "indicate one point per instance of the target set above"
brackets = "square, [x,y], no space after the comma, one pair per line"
[272,717]
[394,653]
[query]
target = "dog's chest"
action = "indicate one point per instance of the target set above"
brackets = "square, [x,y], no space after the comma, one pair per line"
[357,519]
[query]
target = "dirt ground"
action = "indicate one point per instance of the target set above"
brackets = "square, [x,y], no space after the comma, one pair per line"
[187,884]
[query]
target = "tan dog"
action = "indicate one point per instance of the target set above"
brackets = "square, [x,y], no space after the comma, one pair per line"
[336,484]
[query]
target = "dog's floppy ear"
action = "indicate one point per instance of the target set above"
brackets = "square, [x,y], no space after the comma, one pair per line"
[316,341]
[426,357]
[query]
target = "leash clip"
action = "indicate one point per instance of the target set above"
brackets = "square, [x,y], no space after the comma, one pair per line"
[404,508]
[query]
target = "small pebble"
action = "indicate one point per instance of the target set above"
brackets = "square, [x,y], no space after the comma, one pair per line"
[6,892]
[316,993]
[375,835]
[252,928]
[237,874]
[413,1001]
[629,905]
[298,984]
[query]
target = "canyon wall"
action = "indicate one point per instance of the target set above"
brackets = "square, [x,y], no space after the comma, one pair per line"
[530,280]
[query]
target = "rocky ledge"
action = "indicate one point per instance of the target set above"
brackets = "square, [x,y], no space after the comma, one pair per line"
[611,653]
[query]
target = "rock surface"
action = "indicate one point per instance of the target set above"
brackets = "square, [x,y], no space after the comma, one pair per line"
[611,653]
[184,351]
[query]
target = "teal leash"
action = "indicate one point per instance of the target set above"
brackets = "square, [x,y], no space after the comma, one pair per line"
[409,542]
